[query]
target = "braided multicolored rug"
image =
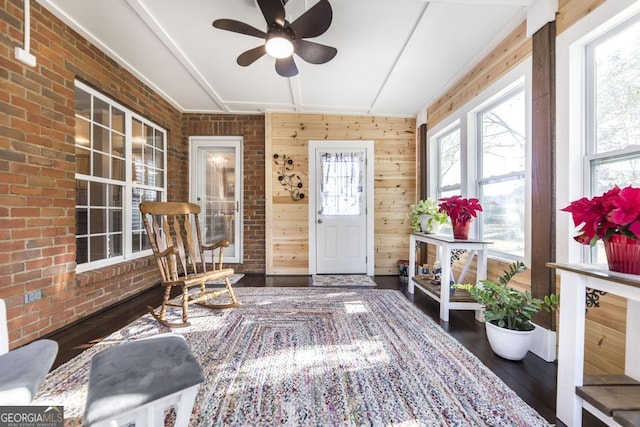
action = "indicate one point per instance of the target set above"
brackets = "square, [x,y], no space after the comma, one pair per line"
[337,280]
[320,357]
[232,279]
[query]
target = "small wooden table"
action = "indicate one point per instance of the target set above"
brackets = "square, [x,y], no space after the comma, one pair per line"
[460,299]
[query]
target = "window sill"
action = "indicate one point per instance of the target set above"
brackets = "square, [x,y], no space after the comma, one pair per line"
[109,272]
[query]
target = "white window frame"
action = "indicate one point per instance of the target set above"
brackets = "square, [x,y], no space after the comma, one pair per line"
[592,156]
[127,184]
[504,94]
[573,171]
[466,117]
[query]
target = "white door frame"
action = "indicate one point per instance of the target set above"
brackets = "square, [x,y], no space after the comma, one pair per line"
[368,146]
[222,141]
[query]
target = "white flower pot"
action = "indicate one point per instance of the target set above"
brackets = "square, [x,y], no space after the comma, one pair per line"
[429,225]
[509,344]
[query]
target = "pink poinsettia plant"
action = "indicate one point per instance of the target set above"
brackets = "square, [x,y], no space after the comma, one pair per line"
[460,210]
[617,211]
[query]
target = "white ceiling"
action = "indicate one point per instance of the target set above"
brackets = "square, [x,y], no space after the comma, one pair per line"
[394,56]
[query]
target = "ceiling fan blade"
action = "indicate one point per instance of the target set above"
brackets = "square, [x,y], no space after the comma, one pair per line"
[314,21]
[286,67]
[273,11]
[238,27]
[251,56]
[314,53]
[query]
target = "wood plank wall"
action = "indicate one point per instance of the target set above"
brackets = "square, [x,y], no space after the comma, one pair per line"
[606,325]
[515,48]
[395,154]
[571,11]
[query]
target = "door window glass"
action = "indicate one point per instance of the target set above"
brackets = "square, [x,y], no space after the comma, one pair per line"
[341,183]
[220,195]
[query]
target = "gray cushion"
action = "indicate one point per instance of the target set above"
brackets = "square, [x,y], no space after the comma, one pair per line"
[23,369]
[132,374]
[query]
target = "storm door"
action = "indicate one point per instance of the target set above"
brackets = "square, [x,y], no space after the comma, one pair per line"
[216,185]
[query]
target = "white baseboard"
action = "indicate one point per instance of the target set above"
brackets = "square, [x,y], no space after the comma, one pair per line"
[544,344]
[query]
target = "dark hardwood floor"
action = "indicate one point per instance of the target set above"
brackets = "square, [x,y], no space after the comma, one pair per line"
[532,379]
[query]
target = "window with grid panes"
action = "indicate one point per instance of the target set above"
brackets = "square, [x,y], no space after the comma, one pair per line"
[613,113]
[120,161]
[448,177]
[501,136]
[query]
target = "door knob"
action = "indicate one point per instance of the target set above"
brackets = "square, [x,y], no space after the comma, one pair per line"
[320,221]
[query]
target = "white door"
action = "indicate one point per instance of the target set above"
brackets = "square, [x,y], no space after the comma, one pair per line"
[341,210]
[216,185]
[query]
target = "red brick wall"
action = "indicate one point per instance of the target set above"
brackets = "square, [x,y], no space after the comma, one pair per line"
[251,128]
[37,167]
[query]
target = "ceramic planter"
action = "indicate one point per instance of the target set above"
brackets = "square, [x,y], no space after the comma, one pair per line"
[509,344]
[429,225]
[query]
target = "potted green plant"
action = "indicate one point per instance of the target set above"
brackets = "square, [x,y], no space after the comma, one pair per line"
[508,312]
[461,211]
[426,217]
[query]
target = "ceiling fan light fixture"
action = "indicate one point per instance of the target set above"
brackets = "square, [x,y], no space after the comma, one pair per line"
[278,45]
[283,38]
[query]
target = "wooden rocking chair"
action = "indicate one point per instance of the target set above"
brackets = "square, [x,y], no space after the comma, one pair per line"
[179,252]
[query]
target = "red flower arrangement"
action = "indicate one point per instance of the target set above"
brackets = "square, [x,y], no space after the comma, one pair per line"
[461,211]
[616,212]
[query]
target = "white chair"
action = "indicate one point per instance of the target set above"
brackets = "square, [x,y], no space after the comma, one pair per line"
[22,370]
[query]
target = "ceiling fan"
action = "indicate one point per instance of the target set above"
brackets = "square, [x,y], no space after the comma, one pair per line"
[283,38]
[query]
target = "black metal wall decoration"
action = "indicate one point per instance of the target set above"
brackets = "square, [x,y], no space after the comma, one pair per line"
[456,254]
[287,178]
[593,298]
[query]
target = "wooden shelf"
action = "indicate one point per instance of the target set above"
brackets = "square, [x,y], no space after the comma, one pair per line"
[617,396]
[458,295]
[613,399]
[599,272]
[627,418]
[445,245]
[601,380]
